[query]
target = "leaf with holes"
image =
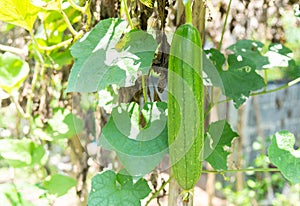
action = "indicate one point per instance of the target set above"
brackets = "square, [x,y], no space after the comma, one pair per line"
[279,56]
[251,50]
[102,59]
[282,154]
[240,78]
[218,139]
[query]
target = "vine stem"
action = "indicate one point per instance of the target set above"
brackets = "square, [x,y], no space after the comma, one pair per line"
[144,88]
[18,107]
[224,26]
[289,84]
[242,170]
[13,50]
[127,14]
[84,10]
[158,191]
[75,6]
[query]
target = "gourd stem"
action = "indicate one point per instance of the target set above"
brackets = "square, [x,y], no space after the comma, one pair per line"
[188,12]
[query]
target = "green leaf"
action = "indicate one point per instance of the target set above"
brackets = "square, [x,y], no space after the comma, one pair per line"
[21,13]
[64,124]
[139,149]
[282,154]
[239,80]
[21,153]
[10,196]
[111,189]
[13,72]
[59,184]
[279,56]
[101,59]
[217,144]
[251,50]
[216,57]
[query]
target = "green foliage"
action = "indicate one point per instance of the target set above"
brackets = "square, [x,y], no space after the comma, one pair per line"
[139,137]
[101,59]
[21,152]
[240,78]
[59,184]
[109,188]
[218,139]
[13,72]
[250,50]
[9,196]
[282,154]
[64,124]
[21,13]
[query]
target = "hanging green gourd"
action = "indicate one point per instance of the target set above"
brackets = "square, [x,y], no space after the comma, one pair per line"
[185,104]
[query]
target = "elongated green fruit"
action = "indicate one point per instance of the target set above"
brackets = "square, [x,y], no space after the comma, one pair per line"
[185,106]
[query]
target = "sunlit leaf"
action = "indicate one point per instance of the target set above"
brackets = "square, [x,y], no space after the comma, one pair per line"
[21,13]
[59,184]
[64,124]
[101,59]
[148,3]
[13,72]
[21,152]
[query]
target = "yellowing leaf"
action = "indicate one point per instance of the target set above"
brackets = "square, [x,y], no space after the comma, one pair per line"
[21,13]
[148,3]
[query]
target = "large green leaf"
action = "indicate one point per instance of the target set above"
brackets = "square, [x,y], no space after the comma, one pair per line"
[59,184]
[21,153]
[240,78]
[113,189]
[251,50]
[101,59]
[139,149]
[218,140]
[282,154]
[13,72]
[21,13]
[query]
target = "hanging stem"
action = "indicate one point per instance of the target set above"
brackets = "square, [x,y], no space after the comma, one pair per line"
[128,14]
[144,88]
[224,26]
